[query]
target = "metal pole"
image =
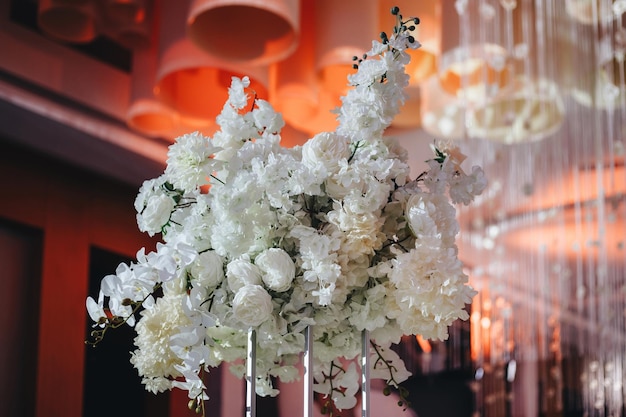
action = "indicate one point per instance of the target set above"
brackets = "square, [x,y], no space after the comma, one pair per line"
[251,375]
[307,361]
[365,373]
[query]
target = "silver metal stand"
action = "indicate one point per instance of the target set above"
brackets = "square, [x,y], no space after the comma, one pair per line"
[307,362]
[251,375]
[365,373]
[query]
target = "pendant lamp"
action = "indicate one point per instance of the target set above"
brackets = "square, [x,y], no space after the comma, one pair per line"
[71,21]
[190,81]
[246,31]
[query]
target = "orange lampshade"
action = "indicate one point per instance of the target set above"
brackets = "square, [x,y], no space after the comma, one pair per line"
[246,31]
[67,20]
[151,118]
[190,81]
[195,84]
[340,37]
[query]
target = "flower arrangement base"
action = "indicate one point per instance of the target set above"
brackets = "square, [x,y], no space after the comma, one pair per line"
[307,377]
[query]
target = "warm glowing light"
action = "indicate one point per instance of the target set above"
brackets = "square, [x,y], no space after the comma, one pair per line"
[424,344]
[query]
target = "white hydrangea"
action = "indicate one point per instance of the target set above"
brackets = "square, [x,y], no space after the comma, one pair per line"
[190,161]
[153,358]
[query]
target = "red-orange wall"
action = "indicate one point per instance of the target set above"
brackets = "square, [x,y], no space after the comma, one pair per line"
[75,210]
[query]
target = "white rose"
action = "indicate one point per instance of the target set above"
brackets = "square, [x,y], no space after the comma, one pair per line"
[208,269]
[242,272]
[325,149]
[277,267]
[156,213]
[252,305]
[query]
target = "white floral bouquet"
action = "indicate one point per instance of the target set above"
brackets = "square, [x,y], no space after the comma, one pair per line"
[332,234]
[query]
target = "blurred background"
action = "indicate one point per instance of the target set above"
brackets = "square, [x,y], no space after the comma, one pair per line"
[93,91]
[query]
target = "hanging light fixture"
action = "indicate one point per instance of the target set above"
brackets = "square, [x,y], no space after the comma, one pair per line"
[67,20]
[245,31]
[190,81]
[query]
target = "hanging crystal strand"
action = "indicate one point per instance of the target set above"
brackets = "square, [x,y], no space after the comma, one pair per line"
[251,375]
[365,373]
[307,361]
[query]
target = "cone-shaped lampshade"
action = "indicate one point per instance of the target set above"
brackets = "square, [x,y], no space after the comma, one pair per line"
[190,81]
[246,31]
[68,21]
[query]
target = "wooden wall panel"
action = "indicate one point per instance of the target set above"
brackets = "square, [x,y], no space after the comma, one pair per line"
[75,210]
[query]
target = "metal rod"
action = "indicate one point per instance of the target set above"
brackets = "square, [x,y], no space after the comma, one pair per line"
[307,362]
[251,375]
[365,373]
